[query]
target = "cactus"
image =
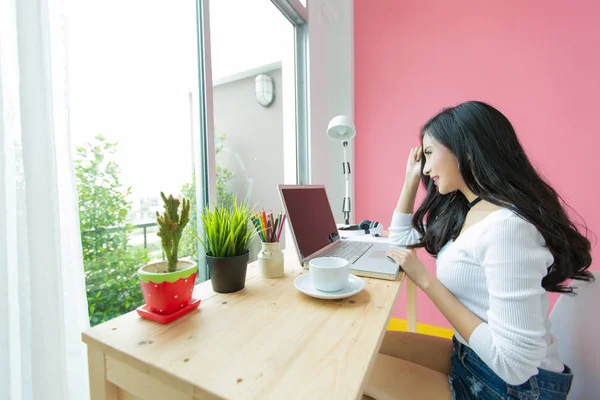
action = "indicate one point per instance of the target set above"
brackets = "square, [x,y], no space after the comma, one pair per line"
[170,227]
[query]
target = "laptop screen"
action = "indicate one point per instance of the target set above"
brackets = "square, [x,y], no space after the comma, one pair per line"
[310,217]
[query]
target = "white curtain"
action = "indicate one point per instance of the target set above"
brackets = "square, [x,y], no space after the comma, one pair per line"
[43,307]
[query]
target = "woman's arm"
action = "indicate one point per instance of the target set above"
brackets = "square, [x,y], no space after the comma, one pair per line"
[516,259]
[401,230]
[406,202]
[461,318]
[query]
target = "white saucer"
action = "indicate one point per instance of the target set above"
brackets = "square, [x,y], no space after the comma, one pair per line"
[304,284]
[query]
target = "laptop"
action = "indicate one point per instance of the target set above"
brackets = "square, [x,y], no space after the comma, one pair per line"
[316,234]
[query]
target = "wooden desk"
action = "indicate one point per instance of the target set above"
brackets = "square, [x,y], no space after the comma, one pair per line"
[266,341]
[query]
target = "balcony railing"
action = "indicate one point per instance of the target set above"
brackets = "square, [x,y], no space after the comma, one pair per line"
[144,227]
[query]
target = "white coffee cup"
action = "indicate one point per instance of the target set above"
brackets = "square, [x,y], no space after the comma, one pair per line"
[329,274]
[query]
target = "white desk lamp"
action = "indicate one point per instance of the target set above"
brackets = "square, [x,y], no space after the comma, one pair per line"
[342,128]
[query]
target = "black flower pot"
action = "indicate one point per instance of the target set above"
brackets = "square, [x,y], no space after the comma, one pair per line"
[228,274]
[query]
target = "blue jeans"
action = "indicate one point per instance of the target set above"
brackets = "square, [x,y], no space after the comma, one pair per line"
[471,378]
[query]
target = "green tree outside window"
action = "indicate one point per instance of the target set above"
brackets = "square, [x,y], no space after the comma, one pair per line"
[110,264]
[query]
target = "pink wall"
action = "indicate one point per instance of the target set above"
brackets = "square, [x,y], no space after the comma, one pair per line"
[537,61]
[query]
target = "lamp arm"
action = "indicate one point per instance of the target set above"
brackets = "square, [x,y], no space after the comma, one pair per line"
[346,206]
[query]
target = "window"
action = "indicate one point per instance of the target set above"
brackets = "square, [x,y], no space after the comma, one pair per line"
[256,124]
[145,121]
[252,49]
[133,79]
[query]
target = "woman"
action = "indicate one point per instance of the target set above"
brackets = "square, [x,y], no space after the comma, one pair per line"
[501,240]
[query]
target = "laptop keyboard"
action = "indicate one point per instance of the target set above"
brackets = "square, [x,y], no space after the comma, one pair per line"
[350,251]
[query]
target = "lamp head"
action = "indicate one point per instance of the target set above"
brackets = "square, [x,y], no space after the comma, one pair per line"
[341,128]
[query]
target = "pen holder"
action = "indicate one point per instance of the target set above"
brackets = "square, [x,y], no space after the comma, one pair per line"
[270,260]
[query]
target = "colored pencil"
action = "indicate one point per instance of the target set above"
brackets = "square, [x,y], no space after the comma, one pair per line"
[272,226]
[280,227]
[275,231]
[263,220]
[256,224]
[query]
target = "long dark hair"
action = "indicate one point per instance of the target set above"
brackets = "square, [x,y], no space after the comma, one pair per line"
[494,166]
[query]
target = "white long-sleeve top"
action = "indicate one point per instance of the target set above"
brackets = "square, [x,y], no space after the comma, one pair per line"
[495,269]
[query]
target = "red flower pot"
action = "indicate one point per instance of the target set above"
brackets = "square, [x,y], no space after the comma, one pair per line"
[166,292]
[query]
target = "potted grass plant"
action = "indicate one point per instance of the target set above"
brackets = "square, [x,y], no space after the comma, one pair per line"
[226,241]
[168,285]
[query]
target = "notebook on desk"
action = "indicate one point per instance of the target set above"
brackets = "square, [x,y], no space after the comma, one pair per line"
[315,234]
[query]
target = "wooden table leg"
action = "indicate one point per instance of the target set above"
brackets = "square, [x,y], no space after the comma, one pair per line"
[411,306]
[100,387]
